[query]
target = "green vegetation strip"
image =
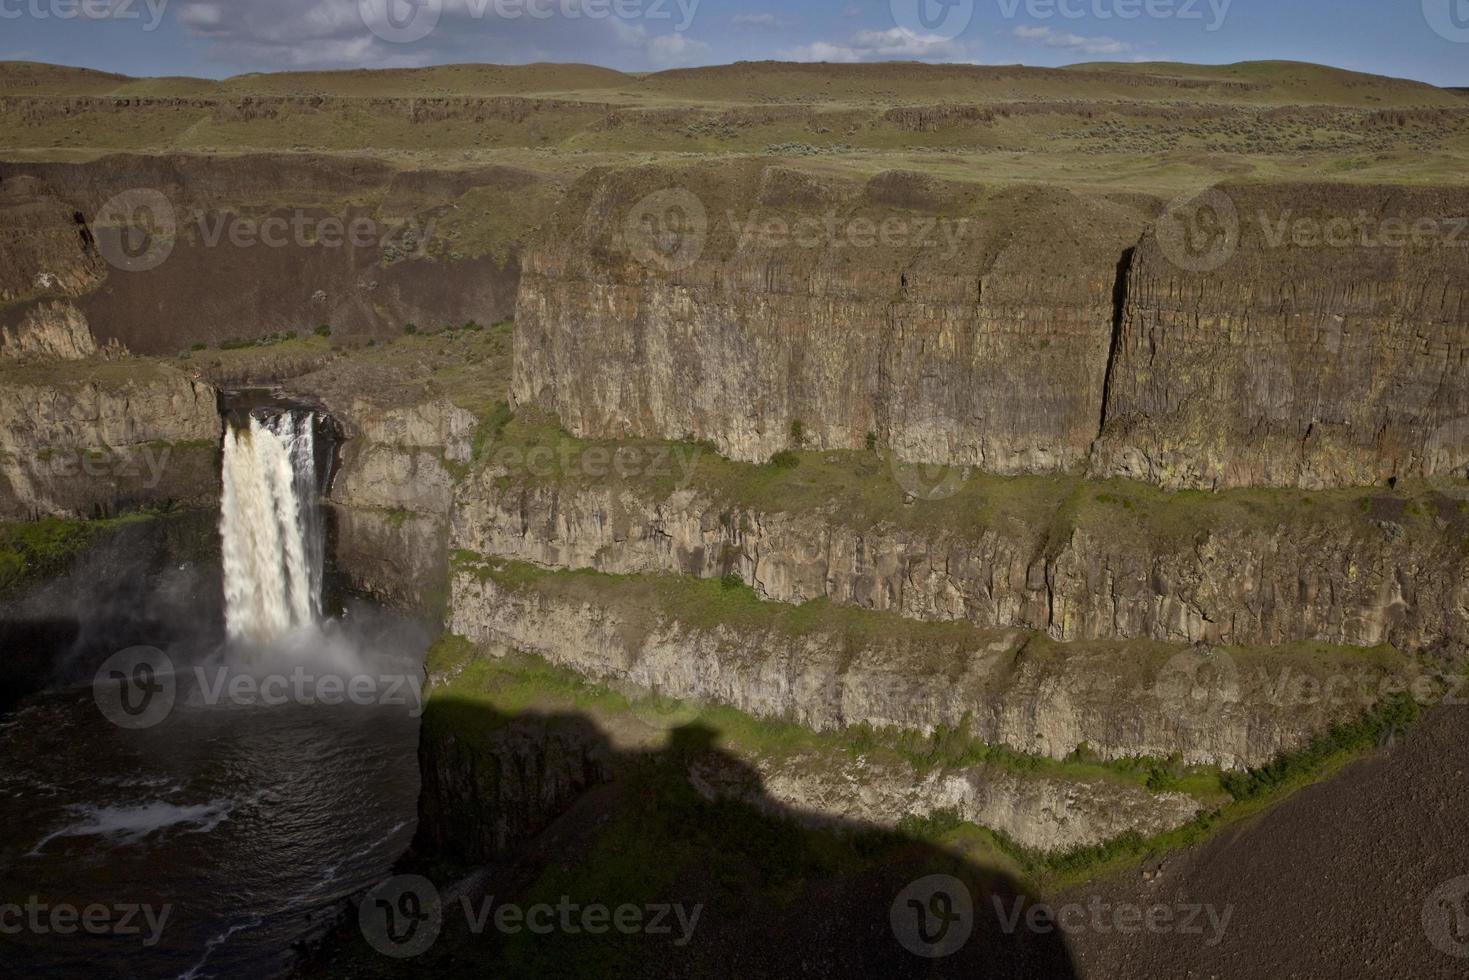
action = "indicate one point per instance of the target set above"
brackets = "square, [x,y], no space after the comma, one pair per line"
[473,694]
[865,489]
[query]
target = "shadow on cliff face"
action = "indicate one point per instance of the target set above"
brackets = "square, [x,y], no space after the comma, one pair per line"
[156,582]
[543,850]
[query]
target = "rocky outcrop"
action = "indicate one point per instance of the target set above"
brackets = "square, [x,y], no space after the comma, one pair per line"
[44,249]
[49,331]
[481,797]
[392,494]
[1326,347]
[947,324]
[1044,814]
[105,437]
[1204,706]
[1090,565]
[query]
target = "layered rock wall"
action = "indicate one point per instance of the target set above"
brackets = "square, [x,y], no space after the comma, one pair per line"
[1304,336]
[1363,572]
[95,441]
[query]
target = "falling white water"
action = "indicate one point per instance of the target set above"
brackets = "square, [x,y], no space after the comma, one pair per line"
[271,538]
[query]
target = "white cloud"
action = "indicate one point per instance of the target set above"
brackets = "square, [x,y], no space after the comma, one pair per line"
[272,34]
[1072,42]
[893,43]
[821,51]
[675,49]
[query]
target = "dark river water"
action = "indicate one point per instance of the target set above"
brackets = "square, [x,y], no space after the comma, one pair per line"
[215,841]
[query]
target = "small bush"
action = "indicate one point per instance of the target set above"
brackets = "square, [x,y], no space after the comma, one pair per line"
[323,330]
[798,433]
[198,345]
[409,329]
[785,460]
[871,441]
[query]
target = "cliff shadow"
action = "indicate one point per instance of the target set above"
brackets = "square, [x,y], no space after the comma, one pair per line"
[551,851]
[155,581]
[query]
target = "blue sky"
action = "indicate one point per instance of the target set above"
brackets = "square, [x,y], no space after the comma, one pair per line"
[1423,39]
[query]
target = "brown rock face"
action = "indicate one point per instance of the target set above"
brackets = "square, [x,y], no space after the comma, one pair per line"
[258,245]
[1324,347]
[113,437]
[1328,349]
[44,249]
[1389,572]
[949,324]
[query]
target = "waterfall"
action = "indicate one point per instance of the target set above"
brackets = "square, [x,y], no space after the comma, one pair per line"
[270,526]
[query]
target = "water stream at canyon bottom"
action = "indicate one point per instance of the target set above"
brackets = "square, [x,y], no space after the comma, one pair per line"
[236,824]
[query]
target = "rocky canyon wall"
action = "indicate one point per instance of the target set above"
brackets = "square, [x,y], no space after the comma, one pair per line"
[89,440]
[1088,565]
[159,254]
[1285,335]
[949,322]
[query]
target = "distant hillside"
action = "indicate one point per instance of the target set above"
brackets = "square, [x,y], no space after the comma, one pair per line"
[894,83]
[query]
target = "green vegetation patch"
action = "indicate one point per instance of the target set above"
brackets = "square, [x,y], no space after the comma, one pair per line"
[34,549]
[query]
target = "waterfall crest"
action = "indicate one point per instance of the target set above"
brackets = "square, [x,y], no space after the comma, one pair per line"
[270,528]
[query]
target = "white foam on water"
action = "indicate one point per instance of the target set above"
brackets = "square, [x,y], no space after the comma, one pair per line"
[125,825]
[192,973]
